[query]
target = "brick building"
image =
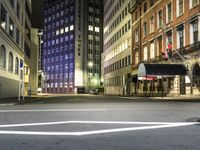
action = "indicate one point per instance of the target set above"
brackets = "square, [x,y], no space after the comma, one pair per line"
[166,32]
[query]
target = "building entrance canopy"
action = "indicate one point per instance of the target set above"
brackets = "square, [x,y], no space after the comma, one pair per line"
[154,70]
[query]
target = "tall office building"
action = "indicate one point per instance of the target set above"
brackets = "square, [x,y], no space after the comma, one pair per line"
[72,45]
[116,57]
[16,49]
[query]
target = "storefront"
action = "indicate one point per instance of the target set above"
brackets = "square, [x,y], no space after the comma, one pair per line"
[160,80]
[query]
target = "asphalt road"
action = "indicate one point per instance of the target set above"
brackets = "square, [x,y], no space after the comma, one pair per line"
[100,123]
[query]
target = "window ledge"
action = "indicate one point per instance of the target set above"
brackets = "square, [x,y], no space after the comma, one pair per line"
[179,16]
[193,6]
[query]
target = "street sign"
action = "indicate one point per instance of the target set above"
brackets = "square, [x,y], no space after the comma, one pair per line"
[21,64]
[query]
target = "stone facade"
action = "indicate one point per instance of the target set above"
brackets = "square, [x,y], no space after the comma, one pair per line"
[116,56]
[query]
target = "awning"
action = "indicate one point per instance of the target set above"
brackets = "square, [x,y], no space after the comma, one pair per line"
[161,69]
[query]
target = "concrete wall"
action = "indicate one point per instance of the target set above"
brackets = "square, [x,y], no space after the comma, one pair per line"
[8,88]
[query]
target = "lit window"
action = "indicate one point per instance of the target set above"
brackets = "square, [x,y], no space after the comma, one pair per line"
[71,27]
[136,57]
[11,28]
[123,46]
[90,28]
[145,53]
[126,44]
[96,29]
[61,31]
[66,29]
[152,50]
[57,32]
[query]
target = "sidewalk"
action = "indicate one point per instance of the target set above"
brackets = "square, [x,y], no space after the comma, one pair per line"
[14,100]
[189,98]
[42,97]
[8,101]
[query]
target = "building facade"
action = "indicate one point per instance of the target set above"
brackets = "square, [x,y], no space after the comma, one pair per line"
[72,45]
[36,38]
[15,47]
[167,32]
[117,55]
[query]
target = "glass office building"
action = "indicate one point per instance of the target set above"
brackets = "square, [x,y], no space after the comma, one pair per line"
[72,45]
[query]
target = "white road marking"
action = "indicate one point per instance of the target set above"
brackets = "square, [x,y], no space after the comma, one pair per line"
[156,125]
[90,122]
[53,110]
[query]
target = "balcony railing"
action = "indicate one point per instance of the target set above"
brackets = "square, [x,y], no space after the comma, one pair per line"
[195,47]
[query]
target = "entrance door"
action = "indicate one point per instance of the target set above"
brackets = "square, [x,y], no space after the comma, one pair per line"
[182,85]
[196,76]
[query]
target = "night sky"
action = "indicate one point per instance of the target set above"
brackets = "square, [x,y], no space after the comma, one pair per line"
[37,13]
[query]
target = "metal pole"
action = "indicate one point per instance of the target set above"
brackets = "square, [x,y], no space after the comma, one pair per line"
[19,90]
[23,76]
[29,85]
[162,88]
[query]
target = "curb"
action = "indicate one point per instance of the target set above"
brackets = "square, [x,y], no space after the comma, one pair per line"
[8,104]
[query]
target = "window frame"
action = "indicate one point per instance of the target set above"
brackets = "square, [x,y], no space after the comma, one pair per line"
[10,62]
[3,57]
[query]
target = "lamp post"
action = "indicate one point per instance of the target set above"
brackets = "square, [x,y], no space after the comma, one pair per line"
[90,65]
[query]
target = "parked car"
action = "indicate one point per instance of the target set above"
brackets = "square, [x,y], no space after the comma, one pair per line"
[39,90]
[94,91]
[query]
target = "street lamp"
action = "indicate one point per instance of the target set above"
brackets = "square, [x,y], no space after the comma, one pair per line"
[90,64]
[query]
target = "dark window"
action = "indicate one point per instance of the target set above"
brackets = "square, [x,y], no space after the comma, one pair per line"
[151,2]
[160,18]
[17,36]
[145,28]
[169,36]
[181,35]
[10,61]
[145,7]
[3,17]
[18,10]
[16,65]
[195,31]
[160,45]
[3,57]
[28,31]
[169,9]
[12,3]
[27,50]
